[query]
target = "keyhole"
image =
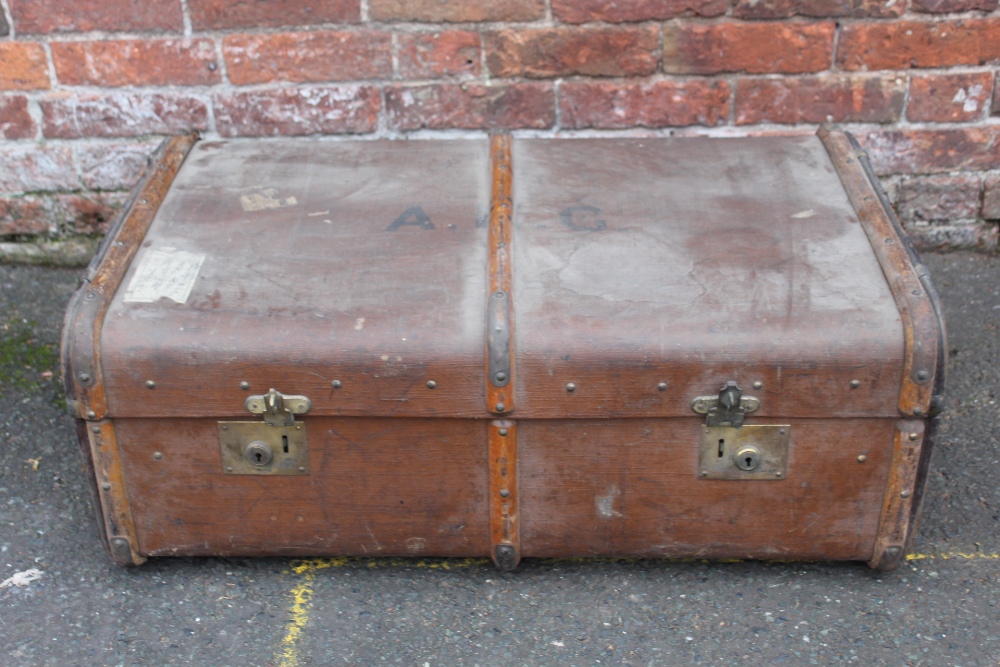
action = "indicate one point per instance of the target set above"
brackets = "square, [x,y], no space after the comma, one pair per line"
[284,443]
[259,457]
[722,447]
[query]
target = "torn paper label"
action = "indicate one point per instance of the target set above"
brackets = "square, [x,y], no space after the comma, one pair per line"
[165,273]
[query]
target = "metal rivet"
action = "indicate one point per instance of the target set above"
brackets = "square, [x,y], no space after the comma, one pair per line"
[150,384]
[336,384]
[244,385]
[501,377]
[758,384]
[106,486]
[862,458]
[704,473]
[224,427]
[502,431]
[904,494]
[298,427]
[923,375]
[889,241]
[777,474]
[916,292]
[918,411]
[91,295]
[498,295]
[302,468]
[431,384]
[158,456]
[229,468]
[504,493]
[84,377]
[914,436]
[500,407]
[570,386]
[95,429]
[662,386]
[145,201]
[91,414]
[781,431]
[855,384]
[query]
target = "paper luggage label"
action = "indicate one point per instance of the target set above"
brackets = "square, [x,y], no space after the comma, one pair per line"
[165,273]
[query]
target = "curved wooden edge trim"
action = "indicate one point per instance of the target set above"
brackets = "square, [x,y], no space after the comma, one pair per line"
[112,494]
[902,496]
[85,315]
[505,536]
[500,399]
[923,330]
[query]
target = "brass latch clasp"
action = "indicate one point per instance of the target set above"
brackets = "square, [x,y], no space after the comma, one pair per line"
[277,408]
[728,408]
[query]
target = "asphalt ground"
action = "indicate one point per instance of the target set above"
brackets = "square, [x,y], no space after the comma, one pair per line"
[939,609]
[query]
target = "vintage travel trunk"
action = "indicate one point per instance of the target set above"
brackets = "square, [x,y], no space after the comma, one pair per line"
[507,347]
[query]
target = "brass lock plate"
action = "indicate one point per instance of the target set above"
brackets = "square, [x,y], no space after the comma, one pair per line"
[751,452]
[257,448]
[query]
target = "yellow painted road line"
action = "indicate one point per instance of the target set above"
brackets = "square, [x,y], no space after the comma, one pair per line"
[955,555]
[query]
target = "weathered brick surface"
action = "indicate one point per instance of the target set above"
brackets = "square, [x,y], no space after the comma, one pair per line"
[555,52]
[839,98]
[113,166]
[655,104]
[134,62]
[92,213]
[756,48]
[216,14]
[991,197]
[584,11]
[938,198]
[436,11]
[25,215]
[296,111]
[474,106]
[778,9]
[933,151]
[906,44]
[23,66]
[439,54]
[15,121]
[949,97]
[33,16]
[954,237]
[944,6]
[36,168]
[308,56]
[122,115]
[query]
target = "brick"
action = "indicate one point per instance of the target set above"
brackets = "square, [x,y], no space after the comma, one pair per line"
[15,121]
[122,115]
[25,215]
[945,6]
[23,66]
[979,236]
[949,97]
[308,56]
[991,198]
[91,213]
[934,151]
[292,111]
[604,104]
[780,9]
[938,198]
[820,99]
[471,106]
[114,166]
[223,14]
[584,11]
[132,62]
[553,52]
[32,16]
[439,54]
[36,167]
[756,48]
[456,11]
[906,44]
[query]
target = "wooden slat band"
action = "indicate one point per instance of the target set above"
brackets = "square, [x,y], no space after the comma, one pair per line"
[85,319]
[922,329]
[112,494]
[896,525]
[505,537]
[500,315]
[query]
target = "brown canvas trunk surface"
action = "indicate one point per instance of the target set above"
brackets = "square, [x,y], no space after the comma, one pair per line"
[507,348]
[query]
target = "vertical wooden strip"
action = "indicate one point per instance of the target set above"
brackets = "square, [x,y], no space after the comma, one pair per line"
[505,535]
[113,496]
[895,527]
[500,316]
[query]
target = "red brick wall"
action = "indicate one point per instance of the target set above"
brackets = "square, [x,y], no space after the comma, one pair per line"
[87,86]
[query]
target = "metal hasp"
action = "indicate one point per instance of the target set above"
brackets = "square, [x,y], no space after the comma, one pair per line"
[728,449]
[275,446]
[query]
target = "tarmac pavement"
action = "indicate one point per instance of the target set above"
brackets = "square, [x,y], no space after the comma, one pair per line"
[939,609]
